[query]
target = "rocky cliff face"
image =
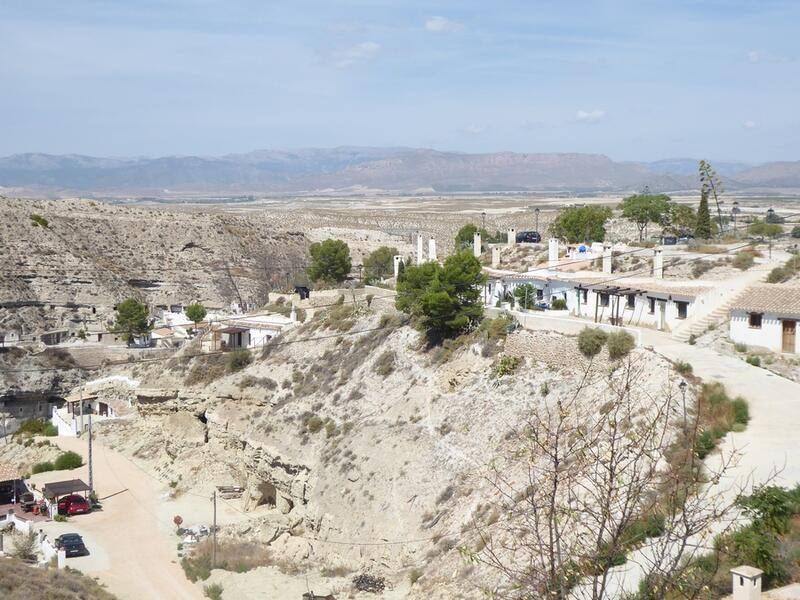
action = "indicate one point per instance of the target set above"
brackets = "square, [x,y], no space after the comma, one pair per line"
[89,256]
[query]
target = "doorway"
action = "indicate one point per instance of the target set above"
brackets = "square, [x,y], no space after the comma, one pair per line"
[789,336]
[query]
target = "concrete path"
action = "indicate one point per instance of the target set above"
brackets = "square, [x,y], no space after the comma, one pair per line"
[133,548]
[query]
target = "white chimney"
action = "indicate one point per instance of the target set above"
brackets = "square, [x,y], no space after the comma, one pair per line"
[606,258]
[396,260]
[476,244]
[552,253]
[658,264]
[512,236]
[432,250]
[419,249]
[495,256]
[293,314]
[746,583]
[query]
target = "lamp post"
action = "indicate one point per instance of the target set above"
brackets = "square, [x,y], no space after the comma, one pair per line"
[683,385]
[536,214]
[770,217]
[483,220]
[735,211]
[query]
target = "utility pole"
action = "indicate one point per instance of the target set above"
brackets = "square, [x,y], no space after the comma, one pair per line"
[536,212]
[91,470]
[214,532]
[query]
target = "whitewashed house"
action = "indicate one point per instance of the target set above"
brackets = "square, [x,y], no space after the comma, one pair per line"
[253,331]
[766,316]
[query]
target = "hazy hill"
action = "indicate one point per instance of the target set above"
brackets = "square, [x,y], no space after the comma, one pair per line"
[391,169]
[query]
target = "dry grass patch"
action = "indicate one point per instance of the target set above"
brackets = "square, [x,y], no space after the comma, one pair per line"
[19,581]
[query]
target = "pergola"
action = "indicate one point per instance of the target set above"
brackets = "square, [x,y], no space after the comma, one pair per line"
[53,491]
[613,291]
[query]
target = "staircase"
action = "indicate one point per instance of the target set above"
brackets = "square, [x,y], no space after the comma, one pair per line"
[699,327]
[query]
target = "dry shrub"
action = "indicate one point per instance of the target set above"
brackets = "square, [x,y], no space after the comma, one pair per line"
[205,369]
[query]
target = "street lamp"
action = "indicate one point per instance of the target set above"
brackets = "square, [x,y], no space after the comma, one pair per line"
[536,213]
[683,385]
[483,220]
[735,211]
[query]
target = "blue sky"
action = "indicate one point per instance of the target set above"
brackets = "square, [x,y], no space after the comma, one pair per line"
[636,80]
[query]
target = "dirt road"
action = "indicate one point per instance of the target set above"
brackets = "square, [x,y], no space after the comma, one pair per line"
[133,547]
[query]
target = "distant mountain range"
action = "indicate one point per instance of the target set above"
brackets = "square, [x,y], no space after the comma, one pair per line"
[353,169]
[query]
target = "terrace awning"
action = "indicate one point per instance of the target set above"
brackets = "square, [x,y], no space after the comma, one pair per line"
[63,488]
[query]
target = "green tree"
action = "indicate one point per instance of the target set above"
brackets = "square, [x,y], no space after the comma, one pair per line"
[581,224]
[401,270]
[196,312]
[526,295]
[682,219]
[379,264]
[644,209]
[466,236]
[68,460]
[796,231]
[711,186]
[444,299]
[132,319]
[330,261]
[760,228]
[702,228]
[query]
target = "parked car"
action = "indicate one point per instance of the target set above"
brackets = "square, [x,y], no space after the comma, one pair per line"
[73,505]
[670,240]
[531,237]
[72,544]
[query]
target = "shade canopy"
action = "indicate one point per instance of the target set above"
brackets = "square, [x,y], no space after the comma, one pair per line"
[63,488]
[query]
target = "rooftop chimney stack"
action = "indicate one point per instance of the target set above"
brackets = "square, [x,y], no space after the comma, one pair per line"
[396,260]
[658,264]
[746,583]
[432,250]
[512,236]
[495,256]
[552,253]
[419,248]
[607,258]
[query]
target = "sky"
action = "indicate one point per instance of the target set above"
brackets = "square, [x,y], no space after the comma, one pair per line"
[634,80]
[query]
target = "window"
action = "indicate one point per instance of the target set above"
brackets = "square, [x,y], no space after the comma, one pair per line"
[755,320]
[585,295]
[651,302]
[631,300]
[683,307]
[539,294]
[604,299]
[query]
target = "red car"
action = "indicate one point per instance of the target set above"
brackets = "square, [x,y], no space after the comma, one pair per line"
[73,505]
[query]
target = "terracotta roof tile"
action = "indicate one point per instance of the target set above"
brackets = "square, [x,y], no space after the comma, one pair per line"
[780,299]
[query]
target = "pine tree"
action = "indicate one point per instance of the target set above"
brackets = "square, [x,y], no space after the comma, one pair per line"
[702,229]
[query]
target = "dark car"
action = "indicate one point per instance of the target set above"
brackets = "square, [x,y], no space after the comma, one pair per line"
[73,505]
[531,237]
[72,544]
[670,240]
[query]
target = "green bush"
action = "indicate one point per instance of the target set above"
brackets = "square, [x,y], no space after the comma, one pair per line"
[213,591]
[506,366]
[68,460]
[559,304]
[741,412]
[238,360]
[705,443]
[197,568]
[743,260]
[42,467]
[740,347]
[60,519]
[754,360]
[796,231]
[314,424]
[591,340]
[684,368]
[39,220]
[620,344]
[38,427]
[778,275]
[692,339]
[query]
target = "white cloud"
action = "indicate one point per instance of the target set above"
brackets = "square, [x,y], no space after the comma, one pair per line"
[753,56]
[749,124]
[442,25]
[358,53]
[473,129]
[590,116]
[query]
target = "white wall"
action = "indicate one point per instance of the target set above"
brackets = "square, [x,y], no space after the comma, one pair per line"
[769,336]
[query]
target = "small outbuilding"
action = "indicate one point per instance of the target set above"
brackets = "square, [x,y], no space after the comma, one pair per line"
[766,316]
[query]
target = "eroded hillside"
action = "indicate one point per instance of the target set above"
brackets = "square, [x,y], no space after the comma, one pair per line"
[359,449]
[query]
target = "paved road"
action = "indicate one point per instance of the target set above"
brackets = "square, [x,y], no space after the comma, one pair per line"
[133,547]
